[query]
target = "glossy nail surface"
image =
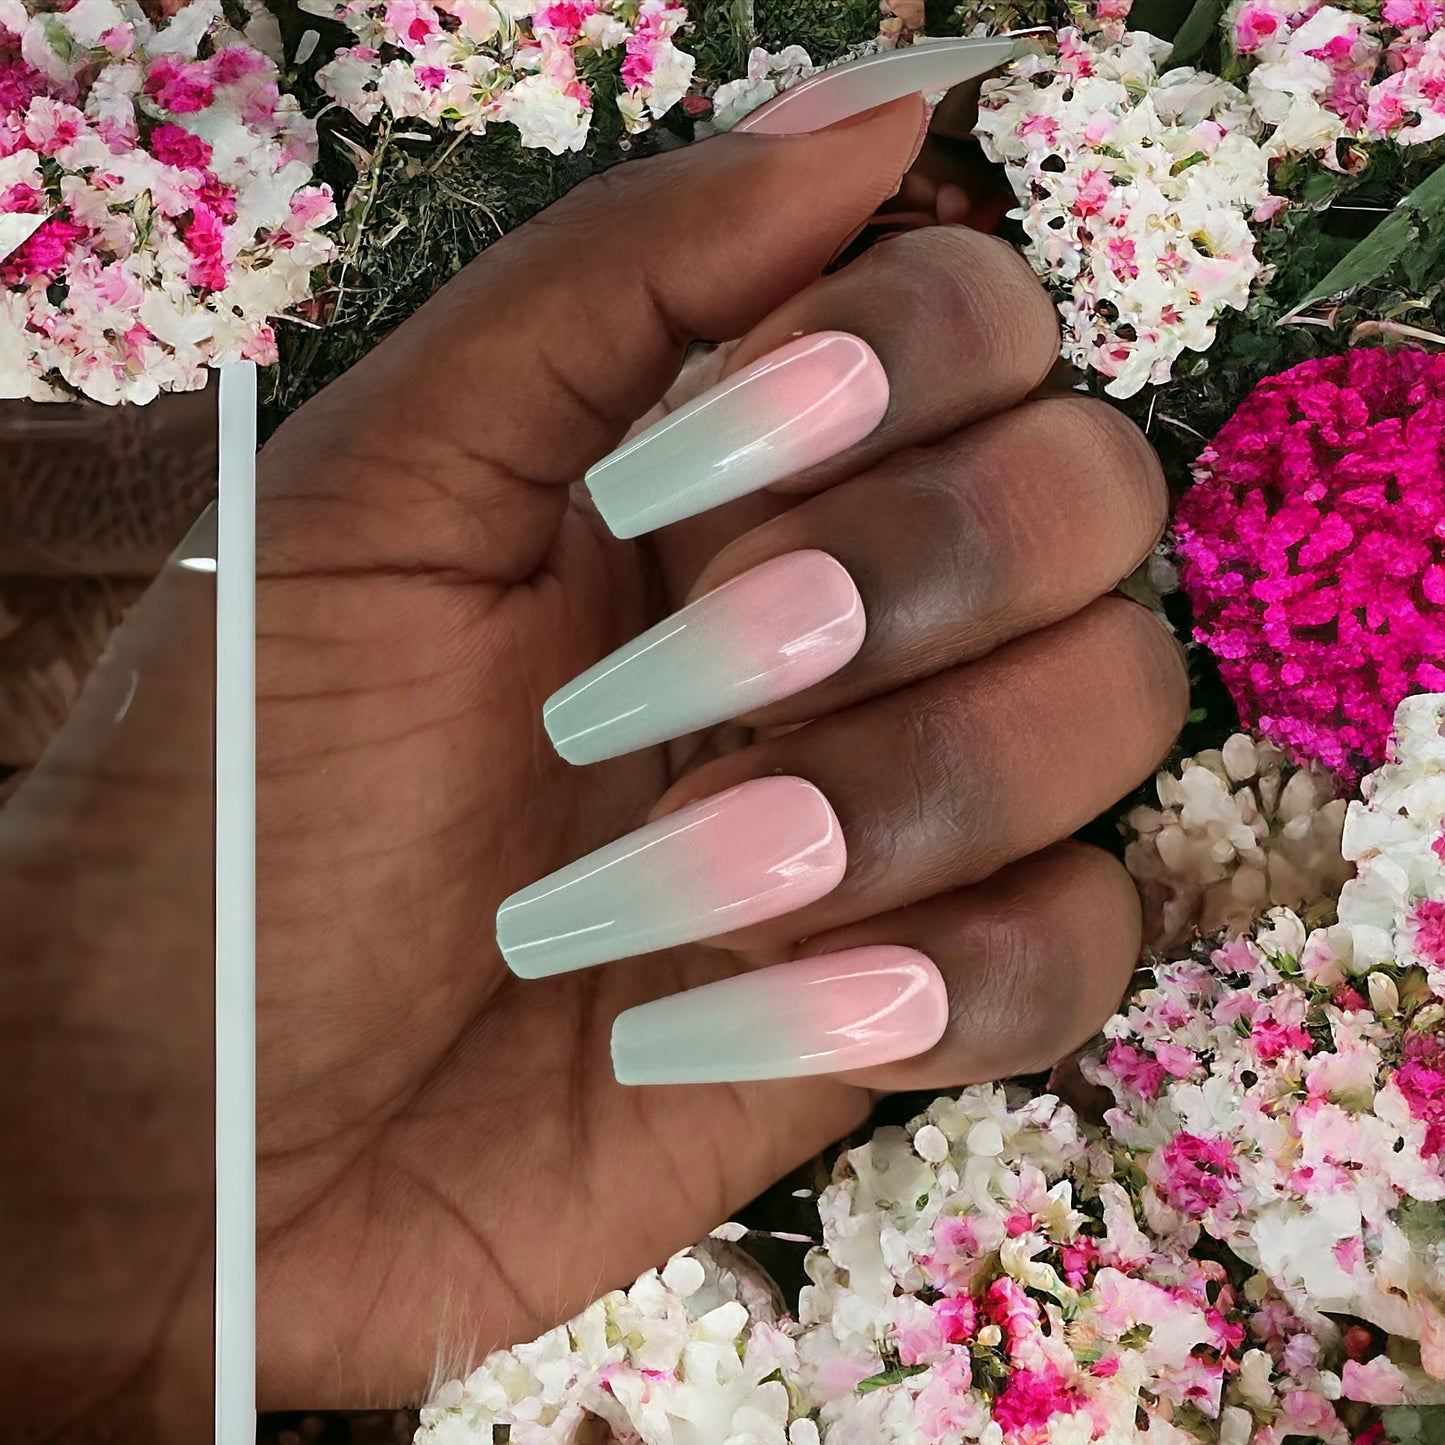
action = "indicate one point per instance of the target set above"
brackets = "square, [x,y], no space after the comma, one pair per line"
[756,851]
[796,406]
[824,1015]
[843,91]
[764,635]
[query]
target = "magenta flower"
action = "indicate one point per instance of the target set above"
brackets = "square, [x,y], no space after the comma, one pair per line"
[1199,1173]
[1421,1079]
[1030,1398]
[1312,551]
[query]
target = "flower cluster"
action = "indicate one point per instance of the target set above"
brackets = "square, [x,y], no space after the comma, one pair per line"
[468,63]
[1135,190]
[691,1353]
[1321,75]
[1311,551]
[1238,830]
[1268,1109]
[769,72]
[984,1276]
[154,198]
[1286,1094]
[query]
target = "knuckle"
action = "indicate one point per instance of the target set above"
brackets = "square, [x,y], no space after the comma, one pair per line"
[975,286]
[963,533]
[1154,660]
[945,791]
[1106,451]
[1063,944]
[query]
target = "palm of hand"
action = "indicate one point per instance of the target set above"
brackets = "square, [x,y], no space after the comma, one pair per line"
[445,1159]
[446,1164]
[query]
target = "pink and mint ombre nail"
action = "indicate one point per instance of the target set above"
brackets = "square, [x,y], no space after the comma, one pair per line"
[756,851]
[789,410]
[764,635]
[843,91]
[825,1015]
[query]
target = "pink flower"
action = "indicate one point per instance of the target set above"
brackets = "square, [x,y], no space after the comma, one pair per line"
[1254,24]
[1091,194]
[1135,1070]
[1176,1059]
[956,1316]
[1010,1307]
[1304,541]
[236,63]
[1271,1039]
[1042,125]
[181,89]
[1199,1173]
[44,255]
[1421,1079]
[1430,930]
[205,237]
[1030,1398]
[1077,1260]
[21,199]
[176,146]
[414,22]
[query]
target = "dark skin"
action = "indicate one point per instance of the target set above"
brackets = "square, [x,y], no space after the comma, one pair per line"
[446,1164]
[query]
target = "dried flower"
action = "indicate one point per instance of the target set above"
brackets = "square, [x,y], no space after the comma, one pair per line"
[1135,190]
[1238,831]
[170,179]
[466,64]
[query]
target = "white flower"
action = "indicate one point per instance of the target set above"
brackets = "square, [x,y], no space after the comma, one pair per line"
[545,116]
[1238,830]
[769,72]
[1133,189]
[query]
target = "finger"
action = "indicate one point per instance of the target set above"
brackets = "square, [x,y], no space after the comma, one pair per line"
[979,984]
[1034,960]
[935,328]
[451,443]
[957,548]
[940,784]
[910,795]
[936,556]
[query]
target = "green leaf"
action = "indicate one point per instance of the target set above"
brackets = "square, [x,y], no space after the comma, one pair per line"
[895,1376]
[1417,1424]
[1389,243]
[1164,18]
[1196,31]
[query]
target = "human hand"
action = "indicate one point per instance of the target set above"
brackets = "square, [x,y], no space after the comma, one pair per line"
[446,1161]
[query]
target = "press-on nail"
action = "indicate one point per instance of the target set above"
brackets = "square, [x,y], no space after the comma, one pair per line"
[761,849]
[824,1015]
[843,91]
[763,635]
[796,406]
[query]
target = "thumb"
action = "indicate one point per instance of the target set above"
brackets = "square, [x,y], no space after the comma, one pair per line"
[452,444]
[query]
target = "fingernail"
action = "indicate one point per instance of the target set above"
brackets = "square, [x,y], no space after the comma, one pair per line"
[764,635]
[796,406]
[824,1015]
[756,851]
[844,91]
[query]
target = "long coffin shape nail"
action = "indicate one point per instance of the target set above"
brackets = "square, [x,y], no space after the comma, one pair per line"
[847,90]
[756,851]
[764,635]
[824,1015]
[796,406]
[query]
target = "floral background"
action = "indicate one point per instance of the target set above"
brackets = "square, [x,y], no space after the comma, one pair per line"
[1223,1220]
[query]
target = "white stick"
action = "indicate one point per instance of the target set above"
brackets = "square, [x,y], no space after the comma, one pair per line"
[236,911]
